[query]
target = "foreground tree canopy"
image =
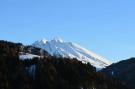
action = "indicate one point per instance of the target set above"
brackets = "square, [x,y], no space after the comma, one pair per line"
[48,72]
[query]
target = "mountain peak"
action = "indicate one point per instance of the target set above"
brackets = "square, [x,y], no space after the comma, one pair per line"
[58,39]
[57,47]
[44,40]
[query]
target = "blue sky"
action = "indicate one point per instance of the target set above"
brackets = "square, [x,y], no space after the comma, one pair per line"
[106,27]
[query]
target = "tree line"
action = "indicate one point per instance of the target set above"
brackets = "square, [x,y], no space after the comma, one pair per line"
[49,72]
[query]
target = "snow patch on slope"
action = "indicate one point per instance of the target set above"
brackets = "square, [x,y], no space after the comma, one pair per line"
[27,56]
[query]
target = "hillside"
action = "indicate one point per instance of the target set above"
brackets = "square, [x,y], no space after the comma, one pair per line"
[123,70]
[48,72]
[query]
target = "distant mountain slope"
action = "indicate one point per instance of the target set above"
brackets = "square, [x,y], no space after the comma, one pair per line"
[58,47]
[123,70]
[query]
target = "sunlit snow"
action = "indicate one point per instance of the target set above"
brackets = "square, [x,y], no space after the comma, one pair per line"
[68,49]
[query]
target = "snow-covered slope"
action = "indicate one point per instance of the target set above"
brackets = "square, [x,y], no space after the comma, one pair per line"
[28,56]
[58,47]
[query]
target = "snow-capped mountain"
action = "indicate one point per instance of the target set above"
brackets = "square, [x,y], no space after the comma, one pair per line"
[57,47]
